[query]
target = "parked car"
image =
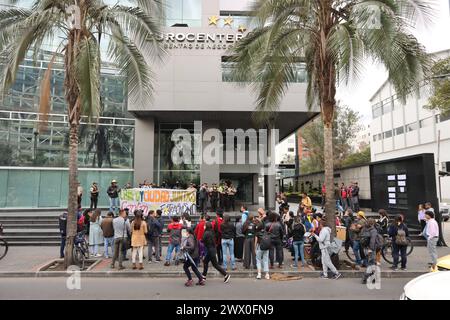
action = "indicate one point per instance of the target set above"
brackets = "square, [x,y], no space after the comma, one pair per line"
[429,286]
[444,209]
[443,263]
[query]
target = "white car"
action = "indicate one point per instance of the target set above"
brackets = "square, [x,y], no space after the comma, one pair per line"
[430,286]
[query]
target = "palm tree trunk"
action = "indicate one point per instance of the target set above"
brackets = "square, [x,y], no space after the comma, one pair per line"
[72,198]
[329,175]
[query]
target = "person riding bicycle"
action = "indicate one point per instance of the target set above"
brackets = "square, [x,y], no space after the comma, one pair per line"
[399,233]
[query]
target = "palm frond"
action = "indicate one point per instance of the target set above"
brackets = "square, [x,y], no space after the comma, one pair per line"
[45,95]
[87,66]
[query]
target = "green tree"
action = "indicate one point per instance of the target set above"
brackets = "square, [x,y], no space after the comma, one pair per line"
[357,158]
[333,38]
[346,125]
[440,99]
[131,34]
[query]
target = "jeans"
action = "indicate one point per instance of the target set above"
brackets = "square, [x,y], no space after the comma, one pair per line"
[356,247]
[399,251]
[277,246]
[355,204]
[170,250]
[431,246]
[137,251]
[371,259]
[262,256]
[94,201]
[114,204]
[299,247]
[153,241]
[62,246]
[228,244]
[108,242]
[339,206]
[119,244]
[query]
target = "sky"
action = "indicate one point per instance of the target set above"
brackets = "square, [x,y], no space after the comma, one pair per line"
[434,36]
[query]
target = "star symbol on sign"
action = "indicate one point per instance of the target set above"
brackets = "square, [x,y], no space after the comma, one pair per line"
[228,21]
[213,20]
[242,29]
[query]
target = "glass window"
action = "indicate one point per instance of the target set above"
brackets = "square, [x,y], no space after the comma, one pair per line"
[399,130]
[387,106]
[412,126]
[426,122]
[183,11]
[291,149]
[388,134]
[377,110]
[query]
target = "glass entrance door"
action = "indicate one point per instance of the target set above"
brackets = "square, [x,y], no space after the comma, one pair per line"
[243,183]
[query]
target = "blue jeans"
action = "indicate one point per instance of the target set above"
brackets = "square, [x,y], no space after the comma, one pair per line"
[228,244]
[170,250]
[108,242]
[299,246]
[356,247]
[262,256]
[114,204]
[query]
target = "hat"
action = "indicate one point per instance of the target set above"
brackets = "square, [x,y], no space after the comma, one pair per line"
[361,214]
[113,181]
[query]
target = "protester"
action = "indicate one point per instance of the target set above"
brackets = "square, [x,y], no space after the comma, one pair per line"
[199,230]
[355,196]
[113,194]
[95,233]
[231,197]
[128,244]
[276,231]
[174,230]
[211,253]
[399,234]
[228,234]
[297,232]
[190,249]
[429,207]
[383,221]
[94,191]
[355,235]
[262,254]
[374,244]
[344,197]
[421,217]
[121,229]
[239,240]
[108,233]
[79,194]
[63,233]
[324,239]
[305,203]
[432,236]
[245,214]
[138,239]
[249,231]
[216,224]
[155,230]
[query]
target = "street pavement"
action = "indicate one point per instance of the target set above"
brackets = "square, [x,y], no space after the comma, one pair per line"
[168,289]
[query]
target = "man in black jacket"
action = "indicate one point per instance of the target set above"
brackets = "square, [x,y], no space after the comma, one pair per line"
[153,236]
[63,232]
[228,234]
[355,197]
[276,231]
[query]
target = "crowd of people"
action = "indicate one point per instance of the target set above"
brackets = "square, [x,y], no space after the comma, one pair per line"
[257,240]
[217,196]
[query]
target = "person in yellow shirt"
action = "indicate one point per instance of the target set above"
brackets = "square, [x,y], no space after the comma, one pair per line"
[305,202]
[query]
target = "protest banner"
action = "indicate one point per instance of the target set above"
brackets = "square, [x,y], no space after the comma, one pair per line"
[170,202]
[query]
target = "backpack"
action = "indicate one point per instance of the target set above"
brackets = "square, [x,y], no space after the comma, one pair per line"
[175,236]
[379,241]
[80,223]
[400,238]
[266,240]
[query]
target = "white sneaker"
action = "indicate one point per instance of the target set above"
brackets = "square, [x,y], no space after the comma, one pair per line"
[258,276]
[267,276]
[98,255]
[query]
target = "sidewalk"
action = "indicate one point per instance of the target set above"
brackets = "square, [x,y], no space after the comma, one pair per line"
[26,261]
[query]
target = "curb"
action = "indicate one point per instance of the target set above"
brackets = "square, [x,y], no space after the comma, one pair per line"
[180,274]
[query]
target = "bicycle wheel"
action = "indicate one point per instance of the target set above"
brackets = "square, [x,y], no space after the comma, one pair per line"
[78,256]
[410,247]
[350,255]
[3,248]
[386,253]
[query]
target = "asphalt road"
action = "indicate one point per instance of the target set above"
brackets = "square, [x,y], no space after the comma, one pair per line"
[158,288]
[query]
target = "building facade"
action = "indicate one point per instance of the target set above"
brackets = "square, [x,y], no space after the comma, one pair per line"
[407,129]
[133,141]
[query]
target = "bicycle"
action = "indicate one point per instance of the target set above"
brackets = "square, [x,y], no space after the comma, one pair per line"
[386,249]
[3,244]
[80,249]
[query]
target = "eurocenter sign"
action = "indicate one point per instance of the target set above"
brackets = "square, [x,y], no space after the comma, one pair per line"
[199,40]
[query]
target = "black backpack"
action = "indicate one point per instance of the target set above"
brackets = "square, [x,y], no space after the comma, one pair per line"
[266,239]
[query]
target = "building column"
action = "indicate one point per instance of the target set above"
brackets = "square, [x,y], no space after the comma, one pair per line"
[269,175]
[144,149]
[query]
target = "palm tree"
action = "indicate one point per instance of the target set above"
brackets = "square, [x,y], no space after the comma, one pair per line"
[333,38]
[131,34]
